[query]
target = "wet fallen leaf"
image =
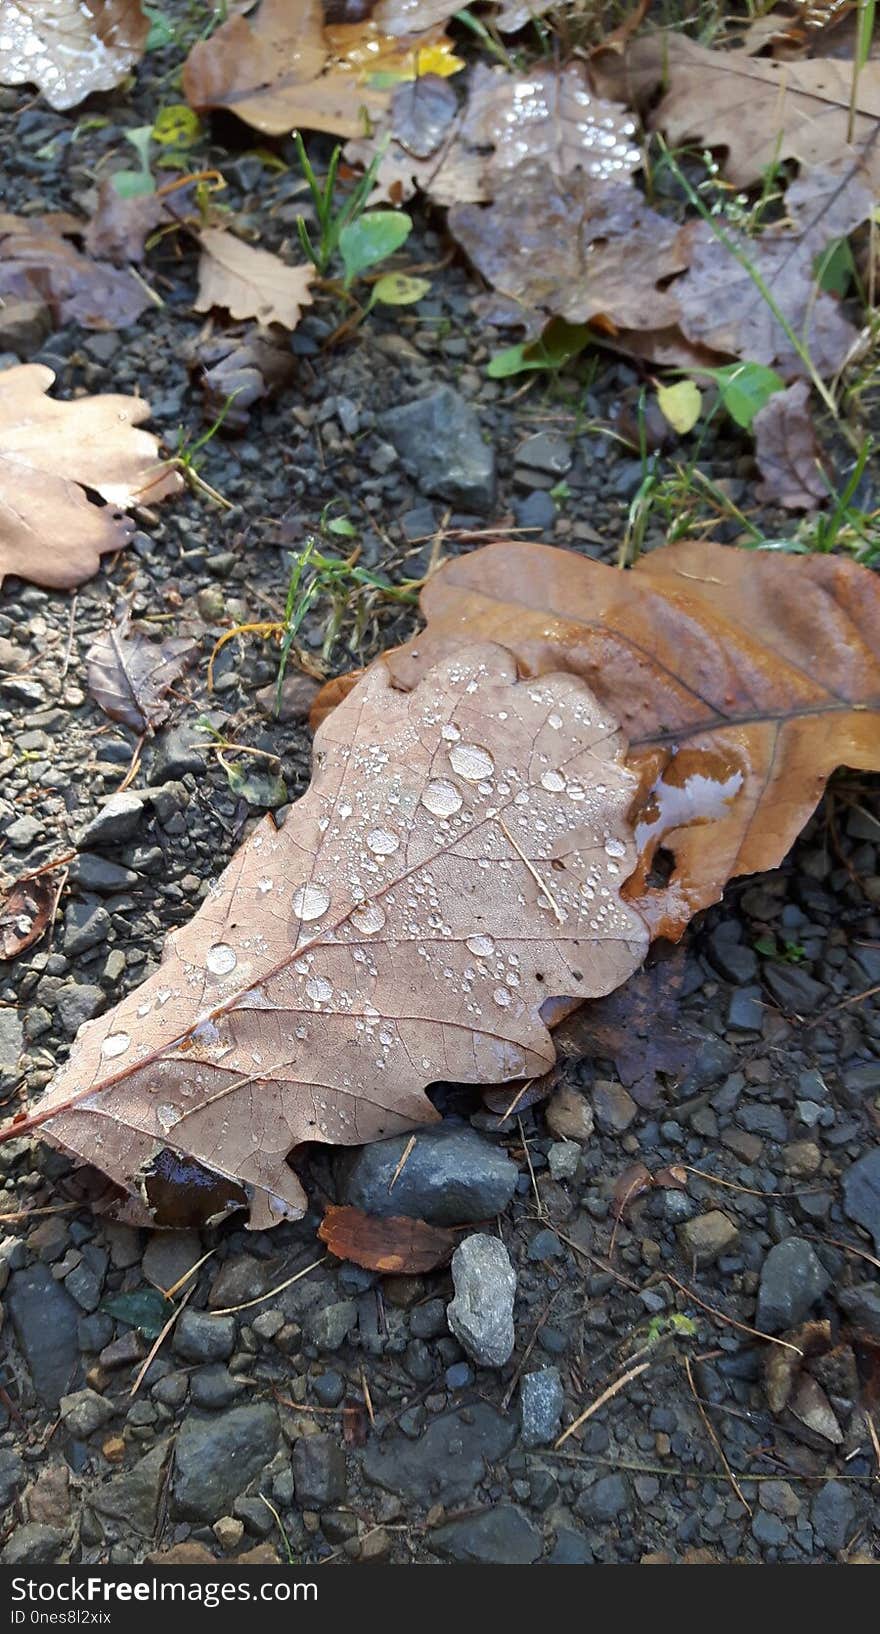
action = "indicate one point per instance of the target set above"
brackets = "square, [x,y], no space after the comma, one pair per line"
[722,307]
[339,968]
[50,533]
[279,71]
[119,228]
[787,451]
[250,283]
[639,1027]
[630,1184]
[741,679]
[70,48]
[396,1246]
[38,261]
[422,111]
[24,914]
[579,248]
[760,111]
[236,371]
[128,675]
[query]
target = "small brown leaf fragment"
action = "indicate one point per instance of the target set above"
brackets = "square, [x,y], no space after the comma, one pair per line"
[236,371]
[396,1246]
[69,48]
[741,678]
[354,1424]
[639,1027]
[24,914]
[120,225]
[128,675]
[249,282]
[50,533]
[39,262]
[787,451]
[810,1404]
[312,994]
[632,1183]
[331,695]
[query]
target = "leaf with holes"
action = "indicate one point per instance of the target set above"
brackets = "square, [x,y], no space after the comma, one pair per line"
[457,859]
[50,533]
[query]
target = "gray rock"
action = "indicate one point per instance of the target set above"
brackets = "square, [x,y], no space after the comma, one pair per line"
[117,820]
[214,1387]
[861,1193]
[537,511]
[11,1037]
[84,1412]
[181,749]
[218,1457]
[93,873]
[541,1400]
[12,1476]
[563,1159]
[169,1255]
[330,1326]
[24,832]
[85,925]
[613,1105]
[24,325]
[238,1280]
[45,1319]
[428,1321]
[794,988]
[85,1285]
[319,1477]
[452,1174]
[605,1500]
[862,1305]
[545,451]
[792,1279]
[501,1536]
[76,1003]
[481,1314]
[447,1463]
[706,1237]
[441,445]
[834,1516]
[34,1545]
[199,1337]
[134,1495]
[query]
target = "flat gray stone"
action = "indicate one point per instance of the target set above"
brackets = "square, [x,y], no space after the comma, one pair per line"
[44,1319]
[481,1314]
[452,1174]
[793,1278]
[501,1536]
[218,1457]
[447,1463]
[440,442]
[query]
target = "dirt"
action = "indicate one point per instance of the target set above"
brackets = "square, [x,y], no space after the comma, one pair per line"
[776,1102]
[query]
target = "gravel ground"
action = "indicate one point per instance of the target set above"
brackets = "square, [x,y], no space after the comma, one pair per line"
[338,1416]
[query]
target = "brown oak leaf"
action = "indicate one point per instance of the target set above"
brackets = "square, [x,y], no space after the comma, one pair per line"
[250,282]
[129,675]
[787,451]
[397,1246]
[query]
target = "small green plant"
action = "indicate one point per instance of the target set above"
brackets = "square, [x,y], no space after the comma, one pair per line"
[187,460]
[791,953]
[360,237]
[131,184]
[559,343]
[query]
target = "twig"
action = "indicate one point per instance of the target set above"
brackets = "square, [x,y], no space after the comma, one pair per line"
[713,1437]
[731,1321]
[558,915]
[538,1202]
[368,1400]
[405,1157]
[607,1395]
[508,1394]
[229,1310]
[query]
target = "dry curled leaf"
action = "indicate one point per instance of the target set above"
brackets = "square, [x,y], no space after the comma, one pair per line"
[250,283]
[70,48]
[24,914]
[458,856]
[742,679]
[129,675]
[50,533]
[397,1246]
[39,262]
[236,371]
[760,110]
[631,1184]
[787,451]
[578,249]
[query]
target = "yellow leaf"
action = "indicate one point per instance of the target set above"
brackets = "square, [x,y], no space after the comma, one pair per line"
[383,59]
[681,405]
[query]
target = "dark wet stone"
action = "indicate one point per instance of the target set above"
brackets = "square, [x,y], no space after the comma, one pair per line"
[605,1500]
[440,442]
[34,1545]
[218,1457]
[498,1537]
[862,1305]
[451,1175]
[134,1495]
[834,1517]
[319,1475]
[793,1278]
[449,1461]
[861,1193]
[45,1318]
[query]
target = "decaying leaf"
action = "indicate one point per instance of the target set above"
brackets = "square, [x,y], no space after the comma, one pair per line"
[397,1246]
[639,1027]
[760,110]
[787,451]
[578,249]
[24,914]
[50,533]
[70,48]
[721,305]
[422,111]
[742,680]
[39,262]
[283,70]
[129,675]
[458,857]
[250,283]
[119,228]
[237,371]
[631,1184]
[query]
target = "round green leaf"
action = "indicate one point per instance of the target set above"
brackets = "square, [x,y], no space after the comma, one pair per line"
[371,238]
